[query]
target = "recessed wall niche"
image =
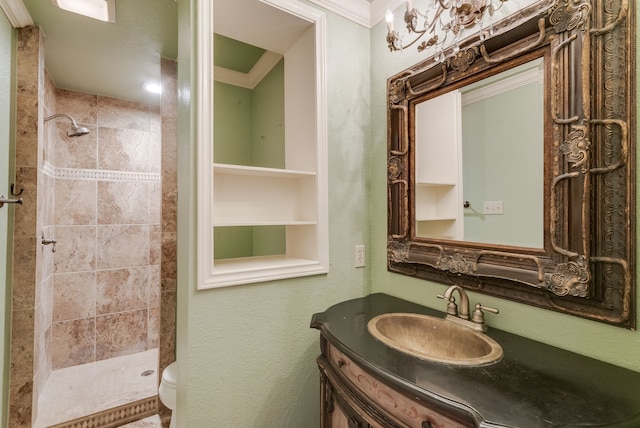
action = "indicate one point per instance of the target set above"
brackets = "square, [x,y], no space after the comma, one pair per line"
[263,194]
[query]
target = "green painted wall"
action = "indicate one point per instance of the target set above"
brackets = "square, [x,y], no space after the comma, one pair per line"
[7,119]
[502,137]
[268,120]
[615,345]
[246,353]
[249,130]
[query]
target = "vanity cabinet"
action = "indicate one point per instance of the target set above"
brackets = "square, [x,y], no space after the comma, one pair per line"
[352,397]
[366,384]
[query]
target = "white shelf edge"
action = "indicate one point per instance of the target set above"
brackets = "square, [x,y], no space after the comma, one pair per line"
[236,222]
[435,183]
[248,270]
[222,168]
[437,219]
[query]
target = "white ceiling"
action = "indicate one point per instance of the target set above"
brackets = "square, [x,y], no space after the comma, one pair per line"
[116,59]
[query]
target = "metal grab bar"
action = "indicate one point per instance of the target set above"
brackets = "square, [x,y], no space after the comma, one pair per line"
[9,201]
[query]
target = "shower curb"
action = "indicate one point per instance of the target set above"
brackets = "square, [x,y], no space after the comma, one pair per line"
[116,416]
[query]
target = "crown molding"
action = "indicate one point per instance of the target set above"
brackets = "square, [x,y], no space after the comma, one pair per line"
[16,13]
[249,80]
[362,12]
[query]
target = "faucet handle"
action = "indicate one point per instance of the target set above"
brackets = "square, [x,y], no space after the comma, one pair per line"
[478,315]
[452,308]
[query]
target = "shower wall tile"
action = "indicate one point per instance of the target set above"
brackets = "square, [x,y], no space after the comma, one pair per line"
[28,60]
[123,202]
[155,203]
[25,215]
[169,211]
[48,199]
[22,345]
[24,273]
[27,150]
[49,95]
[153,333]
[49,108]
[74,152]
[43,367]
[74,296]
[122,246]
[21,404]
[110,342]
[123,150]
[75,202]
[155,244]
[44,314]
[73,342]
[117,113]
[121,290]
[155,152]
[76,249]
[81,106]
[167,327]
[154,288]
[155,119]
[169,248]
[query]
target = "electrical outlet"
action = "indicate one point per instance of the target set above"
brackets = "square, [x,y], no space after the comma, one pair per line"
[493,208]
[359,256]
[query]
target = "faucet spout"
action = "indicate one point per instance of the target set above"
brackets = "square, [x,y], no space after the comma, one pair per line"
[463,311]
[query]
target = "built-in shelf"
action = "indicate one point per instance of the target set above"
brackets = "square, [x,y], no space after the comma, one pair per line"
[250,211]
[221,168]
[438,186]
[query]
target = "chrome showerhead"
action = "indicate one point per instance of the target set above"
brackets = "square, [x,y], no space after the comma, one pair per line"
[75,131]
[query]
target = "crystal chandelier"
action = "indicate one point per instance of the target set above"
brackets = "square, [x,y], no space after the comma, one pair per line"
[444,19]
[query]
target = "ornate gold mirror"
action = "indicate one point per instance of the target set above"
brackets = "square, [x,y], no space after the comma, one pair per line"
[528,192]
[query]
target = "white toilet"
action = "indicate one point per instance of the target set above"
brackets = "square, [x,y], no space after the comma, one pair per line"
[167,390]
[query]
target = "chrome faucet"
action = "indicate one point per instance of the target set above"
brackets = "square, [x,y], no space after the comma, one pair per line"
[461,315]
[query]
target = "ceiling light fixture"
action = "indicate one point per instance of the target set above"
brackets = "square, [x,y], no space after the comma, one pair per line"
[103,10]
[154,88]
[443,18]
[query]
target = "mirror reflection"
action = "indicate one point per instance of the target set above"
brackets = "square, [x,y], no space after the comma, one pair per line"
[467,141]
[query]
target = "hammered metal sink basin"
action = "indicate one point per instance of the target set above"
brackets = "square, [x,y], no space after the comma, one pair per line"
[435,339]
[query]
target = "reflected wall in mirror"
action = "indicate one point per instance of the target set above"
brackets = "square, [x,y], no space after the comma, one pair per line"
[510,163]
[466,141]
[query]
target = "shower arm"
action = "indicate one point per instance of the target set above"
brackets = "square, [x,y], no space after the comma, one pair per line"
[53,116]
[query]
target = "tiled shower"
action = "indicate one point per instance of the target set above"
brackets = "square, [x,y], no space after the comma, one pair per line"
[95,294]
[106,221]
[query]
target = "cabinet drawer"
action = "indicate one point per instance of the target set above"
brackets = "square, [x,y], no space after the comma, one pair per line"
[400,407]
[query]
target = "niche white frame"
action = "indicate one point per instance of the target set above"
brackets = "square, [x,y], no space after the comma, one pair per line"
[315,252]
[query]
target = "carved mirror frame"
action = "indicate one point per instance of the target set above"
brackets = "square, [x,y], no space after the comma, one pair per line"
[587,265]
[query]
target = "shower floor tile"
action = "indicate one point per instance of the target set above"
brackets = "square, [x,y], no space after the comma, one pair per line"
[150,422]
[78,391]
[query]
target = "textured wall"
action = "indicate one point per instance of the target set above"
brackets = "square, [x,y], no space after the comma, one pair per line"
[7,43]
[615,345]
[246,353]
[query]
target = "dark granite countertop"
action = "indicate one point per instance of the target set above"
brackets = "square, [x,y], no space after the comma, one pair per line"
[534,385]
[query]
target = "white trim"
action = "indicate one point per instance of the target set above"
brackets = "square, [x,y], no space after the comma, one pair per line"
[249,80]
[16,13]
[220,274]
[505,85]
[357,11]
[379,9]
[204,138]
[362,12]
